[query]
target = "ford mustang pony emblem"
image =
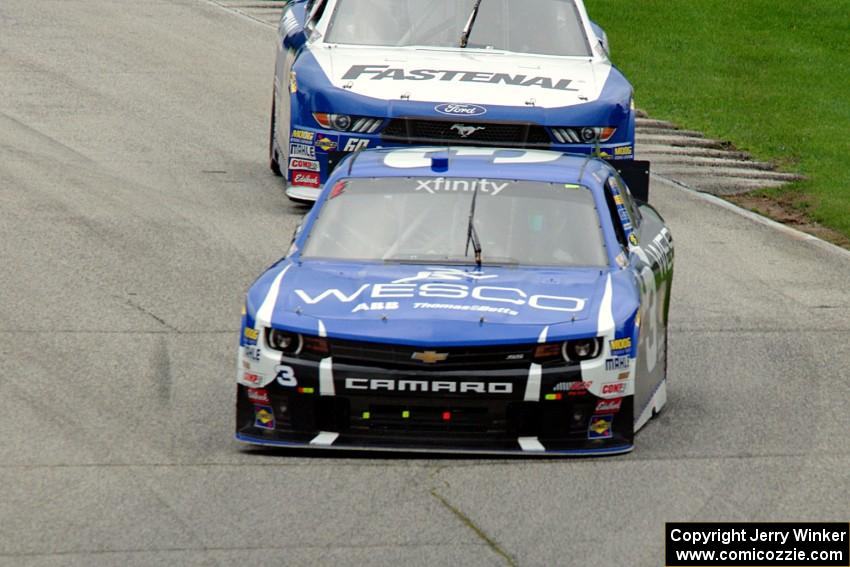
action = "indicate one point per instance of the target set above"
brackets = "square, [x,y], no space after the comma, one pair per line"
[466,131]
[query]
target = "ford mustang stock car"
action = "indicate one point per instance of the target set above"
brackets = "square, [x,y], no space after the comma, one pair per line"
[462,299]
[355,74]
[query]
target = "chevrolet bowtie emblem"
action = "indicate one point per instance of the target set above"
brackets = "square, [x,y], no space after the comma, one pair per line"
[429,356]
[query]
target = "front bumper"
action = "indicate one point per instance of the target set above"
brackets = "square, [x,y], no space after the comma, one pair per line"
[319,408]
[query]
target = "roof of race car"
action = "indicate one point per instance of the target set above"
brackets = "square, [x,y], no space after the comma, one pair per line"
[530,165]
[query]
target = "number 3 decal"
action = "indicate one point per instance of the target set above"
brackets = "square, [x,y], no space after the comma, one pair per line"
[650,318]
[286,376]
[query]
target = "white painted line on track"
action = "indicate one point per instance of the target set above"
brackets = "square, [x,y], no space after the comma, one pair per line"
[244,15]
[760,219]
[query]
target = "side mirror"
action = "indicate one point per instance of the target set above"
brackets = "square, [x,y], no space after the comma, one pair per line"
[294,41]
[293,26]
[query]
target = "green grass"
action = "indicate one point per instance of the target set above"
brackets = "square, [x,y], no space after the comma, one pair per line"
[773,77]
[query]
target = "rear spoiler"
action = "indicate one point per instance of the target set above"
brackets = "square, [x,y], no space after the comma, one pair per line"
[636,175]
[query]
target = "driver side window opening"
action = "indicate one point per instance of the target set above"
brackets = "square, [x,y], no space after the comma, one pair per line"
[619,230]
[315,9]
[629,201]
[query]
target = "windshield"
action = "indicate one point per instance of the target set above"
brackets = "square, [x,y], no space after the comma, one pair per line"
[545,27]
[427,220]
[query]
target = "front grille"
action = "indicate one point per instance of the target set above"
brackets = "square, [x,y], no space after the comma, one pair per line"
[458,132]
[429,419]
[568,419]
[456,358]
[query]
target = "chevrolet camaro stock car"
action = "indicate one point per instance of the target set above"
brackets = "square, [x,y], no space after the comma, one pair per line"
[355,74]
[493,300]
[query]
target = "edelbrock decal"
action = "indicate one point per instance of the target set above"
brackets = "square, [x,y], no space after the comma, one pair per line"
[306,179]
[382,72]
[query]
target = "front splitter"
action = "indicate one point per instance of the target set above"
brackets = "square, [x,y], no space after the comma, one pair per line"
[525,446]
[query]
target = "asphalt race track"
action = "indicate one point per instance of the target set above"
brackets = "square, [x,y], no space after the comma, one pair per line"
[135,209]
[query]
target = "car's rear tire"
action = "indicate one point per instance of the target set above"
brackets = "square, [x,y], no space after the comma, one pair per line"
[274,157]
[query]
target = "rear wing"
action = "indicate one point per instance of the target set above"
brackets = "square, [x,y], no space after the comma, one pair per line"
[636,176]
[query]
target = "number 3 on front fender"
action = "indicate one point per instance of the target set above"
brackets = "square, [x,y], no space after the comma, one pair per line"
[286,376]
[650,318]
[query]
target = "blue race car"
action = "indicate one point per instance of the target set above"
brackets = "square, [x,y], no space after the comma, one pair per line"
[355,74]
[462,299]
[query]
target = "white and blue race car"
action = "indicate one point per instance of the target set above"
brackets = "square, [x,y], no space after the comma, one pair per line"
[464,300]
[356,74]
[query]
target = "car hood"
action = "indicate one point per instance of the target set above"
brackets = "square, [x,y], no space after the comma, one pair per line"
[463,76]
[424,304]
